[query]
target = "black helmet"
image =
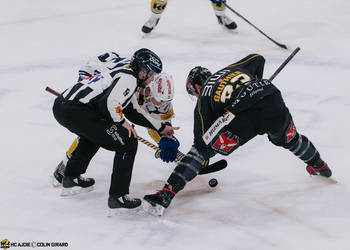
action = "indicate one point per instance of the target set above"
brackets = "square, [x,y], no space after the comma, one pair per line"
[145,59]
[197,75]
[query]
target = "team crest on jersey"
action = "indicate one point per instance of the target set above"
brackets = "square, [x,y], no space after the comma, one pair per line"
[291,132]
[225,143]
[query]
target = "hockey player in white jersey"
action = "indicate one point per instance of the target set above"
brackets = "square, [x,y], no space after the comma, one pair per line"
[158,7]
[94,109]
[156,99]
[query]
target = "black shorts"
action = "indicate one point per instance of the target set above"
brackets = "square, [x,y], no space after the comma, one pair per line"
[266,116]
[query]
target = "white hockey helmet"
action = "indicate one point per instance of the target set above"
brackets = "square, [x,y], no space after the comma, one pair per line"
[162,88]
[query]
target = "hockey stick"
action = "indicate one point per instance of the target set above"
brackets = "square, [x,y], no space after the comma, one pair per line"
[284,64]
[216,166]
[278,44]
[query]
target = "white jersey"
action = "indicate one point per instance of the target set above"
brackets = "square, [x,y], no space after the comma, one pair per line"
[108,85]
[107,62]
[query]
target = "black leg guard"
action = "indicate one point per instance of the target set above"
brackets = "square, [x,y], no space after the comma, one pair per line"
[304,149]
[186,170]
[299,145]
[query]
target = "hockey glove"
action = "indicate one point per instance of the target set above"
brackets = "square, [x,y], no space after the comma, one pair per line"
[169,148]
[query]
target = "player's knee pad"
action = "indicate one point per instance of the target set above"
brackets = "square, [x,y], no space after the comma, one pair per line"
[187,169]
[158,6]
[287,135]
[154,135]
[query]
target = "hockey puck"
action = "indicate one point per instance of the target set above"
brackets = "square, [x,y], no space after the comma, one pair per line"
[213,182]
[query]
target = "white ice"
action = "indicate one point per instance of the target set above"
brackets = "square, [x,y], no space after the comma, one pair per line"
[265,199]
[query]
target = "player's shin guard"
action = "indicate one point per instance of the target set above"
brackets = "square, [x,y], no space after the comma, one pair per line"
[185,171]
[301,147]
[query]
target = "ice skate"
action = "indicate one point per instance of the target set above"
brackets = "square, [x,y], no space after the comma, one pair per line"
[121,205]
[158,202]
[319,168]
[56,179]
[72,186]
[125,201]
[227,22]
[150,24]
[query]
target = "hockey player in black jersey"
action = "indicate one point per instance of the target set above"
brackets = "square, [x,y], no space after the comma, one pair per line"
[234,105]
[94,109]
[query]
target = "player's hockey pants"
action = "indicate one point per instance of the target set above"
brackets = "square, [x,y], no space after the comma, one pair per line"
[271,116]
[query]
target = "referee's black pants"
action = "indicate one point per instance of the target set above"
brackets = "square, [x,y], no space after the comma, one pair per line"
[95,131]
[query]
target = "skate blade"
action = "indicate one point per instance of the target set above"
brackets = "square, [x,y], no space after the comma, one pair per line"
[75,190]
[156,210]
[137,211]
[54,182]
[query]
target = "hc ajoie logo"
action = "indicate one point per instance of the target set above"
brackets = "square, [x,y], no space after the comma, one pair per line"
[5,244]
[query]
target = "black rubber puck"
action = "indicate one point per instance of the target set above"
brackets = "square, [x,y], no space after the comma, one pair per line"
[213,182]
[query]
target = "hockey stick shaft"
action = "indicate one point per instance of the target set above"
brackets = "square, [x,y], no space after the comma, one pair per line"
[284,64]
[268,37]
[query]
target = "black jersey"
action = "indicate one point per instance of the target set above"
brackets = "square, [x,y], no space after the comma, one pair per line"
[234,88]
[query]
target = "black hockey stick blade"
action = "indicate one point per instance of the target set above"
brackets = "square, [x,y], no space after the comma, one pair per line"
[214,167]
[278,44]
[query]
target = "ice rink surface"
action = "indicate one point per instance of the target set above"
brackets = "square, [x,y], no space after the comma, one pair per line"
[265,200]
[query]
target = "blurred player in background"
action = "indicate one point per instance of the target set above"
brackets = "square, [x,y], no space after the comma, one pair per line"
[158,6]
